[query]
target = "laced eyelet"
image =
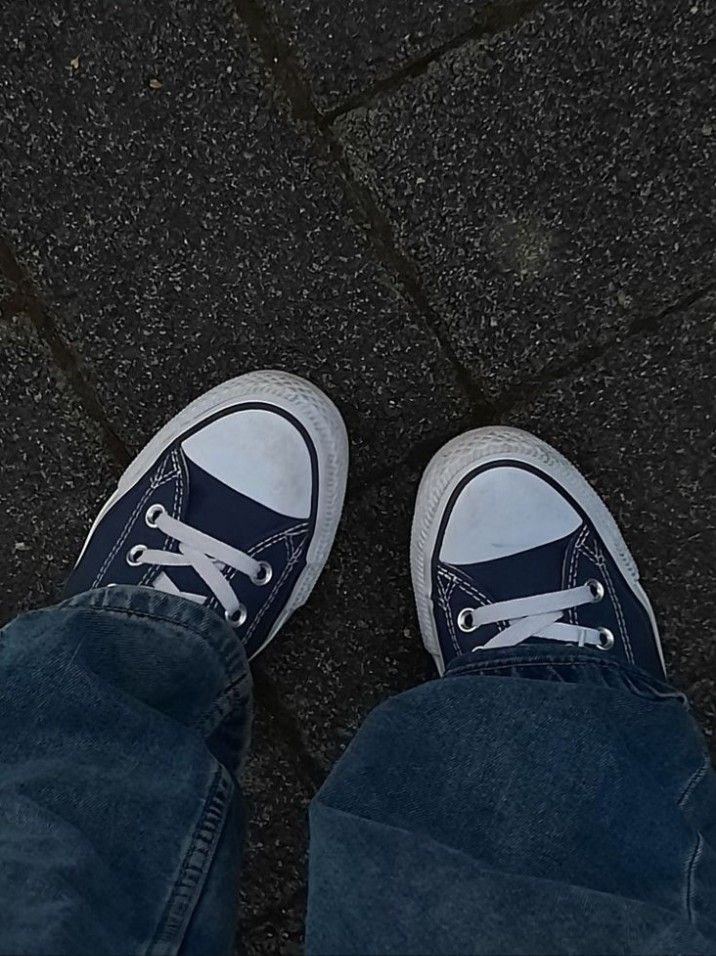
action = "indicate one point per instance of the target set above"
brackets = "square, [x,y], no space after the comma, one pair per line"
[263,575]
[466,621]
[153,512]
[238,617]
[135,553]
[597,589]
[607,641]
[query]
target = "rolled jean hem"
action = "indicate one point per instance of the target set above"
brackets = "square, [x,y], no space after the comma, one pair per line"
[148,603]
[531,660]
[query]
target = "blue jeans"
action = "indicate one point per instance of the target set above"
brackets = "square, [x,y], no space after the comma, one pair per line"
[531,801]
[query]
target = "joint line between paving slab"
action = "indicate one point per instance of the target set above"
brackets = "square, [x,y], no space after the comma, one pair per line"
[493,20]
[25,299]
[421,452]
[526,391]
[284,67]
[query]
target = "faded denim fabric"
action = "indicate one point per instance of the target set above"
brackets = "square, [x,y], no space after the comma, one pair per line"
[533,801]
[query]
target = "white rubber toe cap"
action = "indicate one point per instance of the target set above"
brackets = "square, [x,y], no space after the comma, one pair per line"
[260,454]
[502,511]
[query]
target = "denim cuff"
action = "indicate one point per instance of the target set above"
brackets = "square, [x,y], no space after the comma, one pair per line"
[150,604]
[570,664]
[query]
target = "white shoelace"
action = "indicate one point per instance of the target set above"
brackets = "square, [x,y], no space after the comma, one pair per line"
[206,555]
[537,616]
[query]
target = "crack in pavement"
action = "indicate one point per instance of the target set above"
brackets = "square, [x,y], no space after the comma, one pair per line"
[524,392]
[420,453]
[25,299]
[486,23]
[283,65]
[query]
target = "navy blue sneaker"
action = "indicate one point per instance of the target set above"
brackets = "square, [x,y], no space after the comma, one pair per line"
[234,504]
[511,544]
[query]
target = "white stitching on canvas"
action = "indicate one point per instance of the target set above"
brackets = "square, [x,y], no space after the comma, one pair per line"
[127,527]
[269,600]
[445,607]
[618,608]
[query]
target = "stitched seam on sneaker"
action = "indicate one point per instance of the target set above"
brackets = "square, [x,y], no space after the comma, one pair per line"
[593,554]
[618,608]
[573,565]
[277,537]
[282,535]
[290,564]
[443,602]
[152,569]
[471,591]
[124,534]
[576,551]
[465,585]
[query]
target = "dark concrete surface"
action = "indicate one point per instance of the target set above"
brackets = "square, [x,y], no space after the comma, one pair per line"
[53,476]
[186,234]
[541,198]
[277,791]
[347,46]
[553,184]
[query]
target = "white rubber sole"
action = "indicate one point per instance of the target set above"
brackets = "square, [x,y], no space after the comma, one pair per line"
[323,422]
[458,458]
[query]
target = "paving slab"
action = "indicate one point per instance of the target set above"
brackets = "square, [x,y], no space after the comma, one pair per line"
[356,642]
[553,184]
[54,474]
[641,424]
[348,46]
[183,232]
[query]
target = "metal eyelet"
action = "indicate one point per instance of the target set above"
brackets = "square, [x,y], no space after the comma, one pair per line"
[466,620]
[263,575]
[154,512]
[135,553]
[607,641]
[238,617]
[597,589]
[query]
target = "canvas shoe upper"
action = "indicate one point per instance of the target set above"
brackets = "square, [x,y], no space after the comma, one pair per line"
[511,544]
[234,505]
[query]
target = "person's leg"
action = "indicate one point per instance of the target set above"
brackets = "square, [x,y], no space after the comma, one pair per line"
[543,797]
[125,713]
[537,803]
[126,709]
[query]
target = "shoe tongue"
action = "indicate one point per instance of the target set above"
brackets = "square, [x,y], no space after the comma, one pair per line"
[524,574]
[225,514]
